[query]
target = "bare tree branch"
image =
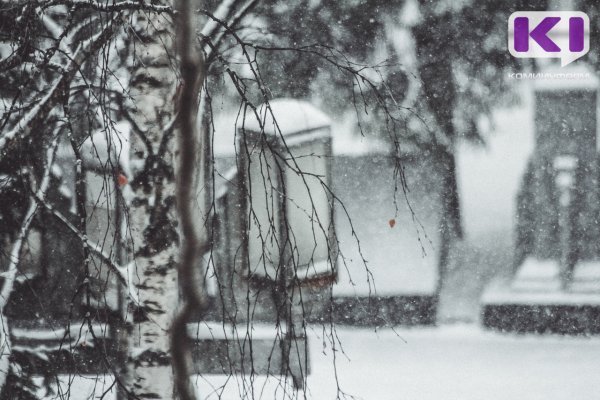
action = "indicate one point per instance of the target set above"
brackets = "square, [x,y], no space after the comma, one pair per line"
[123,272]
[235,20]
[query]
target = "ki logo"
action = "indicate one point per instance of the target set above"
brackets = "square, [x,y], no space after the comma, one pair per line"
[549,34]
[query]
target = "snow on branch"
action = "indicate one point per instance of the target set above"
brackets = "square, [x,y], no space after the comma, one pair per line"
[40,111]
[222,13]
[108,7]
[14,258]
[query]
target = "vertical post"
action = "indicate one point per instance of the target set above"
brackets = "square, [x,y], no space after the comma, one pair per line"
[565,167]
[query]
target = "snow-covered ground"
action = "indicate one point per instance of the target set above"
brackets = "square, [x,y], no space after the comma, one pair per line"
[460,362]
[447,363]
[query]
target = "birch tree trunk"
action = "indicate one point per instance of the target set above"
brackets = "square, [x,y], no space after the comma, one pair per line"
[152,220]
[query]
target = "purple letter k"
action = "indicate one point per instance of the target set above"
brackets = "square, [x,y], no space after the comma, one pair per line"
[539,34]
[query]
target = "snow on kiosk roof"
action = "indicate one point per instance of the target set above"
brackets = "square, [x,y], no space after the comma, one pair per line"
[291,116]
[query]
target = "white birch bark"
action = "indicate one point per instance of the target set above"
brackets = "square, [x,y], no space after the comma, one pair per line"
[152,217]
